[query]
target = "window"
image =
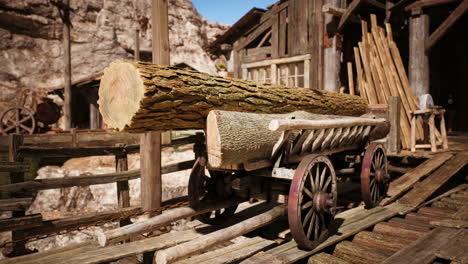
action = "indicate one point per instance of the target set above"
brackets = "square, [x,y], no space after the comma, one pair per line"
[293,71]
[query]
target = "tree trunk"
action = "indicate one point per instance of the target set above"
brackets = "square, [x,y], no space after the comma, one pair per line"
[137,97]
[233,138]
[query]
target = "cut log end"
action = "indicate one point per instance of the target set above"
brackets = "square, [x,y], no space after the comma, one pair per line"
[120,93]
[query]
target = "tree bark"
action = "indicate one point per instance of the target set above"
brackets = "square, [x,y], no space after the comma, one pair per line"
[233,138]
[138,96]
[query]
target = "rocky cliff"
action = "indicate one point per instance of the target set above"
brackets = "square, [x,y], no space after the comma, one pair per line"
[103,30]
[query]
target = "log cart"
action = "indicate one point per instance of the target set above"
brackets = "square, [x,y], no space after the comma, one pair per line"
[303,159]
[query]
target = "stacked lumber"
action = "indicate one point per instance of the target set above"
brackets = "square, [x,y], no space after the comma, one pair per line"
[381,74]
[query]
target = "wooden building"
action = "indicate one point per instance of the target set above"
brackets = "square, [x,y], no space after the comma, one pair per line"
[307,43]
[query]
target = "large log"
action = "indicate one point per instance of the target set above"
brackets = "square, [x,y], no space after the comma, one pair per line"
[234,138]
[138,96]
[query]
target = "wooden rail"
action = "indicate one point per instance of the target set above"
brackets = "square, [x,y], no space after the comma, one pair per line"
[55,183]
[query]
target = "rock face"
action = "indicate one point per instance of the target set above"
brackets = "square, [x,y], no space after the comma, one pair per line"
[103,31]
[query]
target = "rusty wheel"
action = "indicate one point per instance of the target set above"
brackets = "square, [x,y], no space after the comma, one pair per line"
[312,201]
[205,188]
[17,120]
[374,175]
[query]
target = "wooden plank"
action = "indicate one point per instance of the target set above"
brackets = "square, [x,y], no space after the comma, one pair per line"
[56,183]
[324,258]
[17,223]
[408,180]
[424,249]
[345,17]
[461,214]
[6,166]
[101,255]
[255,34]
[350,78]
[442,29]
[283,29]
[353,252]
[426,3]
[297,40]
[15,204]
[456,249]
[276,61]
[58,225]
[289,252]
[230,253]
[428,186]
[123,189]
[73,152]
[394,117]
[449,223]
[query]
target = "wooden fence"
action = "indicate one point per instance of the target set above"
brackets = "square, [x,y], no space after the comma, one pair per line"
[24,160]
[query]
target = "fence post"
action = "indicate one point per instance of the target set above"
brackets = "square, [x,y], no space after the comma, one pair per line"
[14,142]
[394,140]
[123,190]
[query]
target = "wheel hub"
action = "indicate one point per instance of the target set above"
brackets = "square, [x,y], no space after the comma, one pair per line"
[381,175]
[322,201]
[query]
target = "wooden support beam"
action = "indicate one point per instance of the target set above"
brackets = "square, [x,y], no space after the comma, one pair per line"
[428,3]
[15,204]
[345,17]
[331,53]
[209,240]
[74,152]
[375,3]
[394,116]
[137,45]
[123,189]
[169,216]
[67,108]
[442,29]
[418,58]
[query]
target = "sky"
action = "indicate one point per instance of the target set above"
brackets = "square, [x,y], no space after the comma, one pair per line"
[228,11]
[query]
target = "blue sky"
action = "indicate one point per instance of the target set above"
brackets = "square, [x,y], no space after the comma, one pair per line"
[228,11]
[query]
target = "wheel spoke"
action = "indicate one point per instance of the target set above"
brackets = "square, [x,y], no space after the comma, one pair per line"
[316,228]
[307,217]
[312,183]
[327,183]
[311,224]
[307,205]
[17,114]
[25,119]
[9,128]
[308,192]
[26,128]
[317,175]
[322,177]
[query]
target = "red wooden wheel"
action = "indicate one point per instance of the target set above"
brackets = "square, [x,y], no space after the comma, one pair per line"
[312,201]
[208,187]
[17,120]
[374,175]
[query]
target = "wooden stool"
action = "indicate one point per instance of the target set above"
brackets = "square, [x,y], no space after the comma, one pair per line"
[428,116]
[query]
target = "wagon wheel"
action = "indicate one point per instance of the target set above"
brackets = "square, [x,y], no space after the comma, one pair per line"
[17,120]
[312,201]
[207,188]
[374,175]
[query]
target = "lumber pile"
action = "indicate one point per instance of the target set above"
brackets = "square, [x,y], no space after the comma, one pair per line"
[138,97]
[381,74]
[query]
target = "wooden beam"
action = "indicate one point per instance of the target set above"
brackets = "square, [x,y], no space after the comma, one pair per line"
[123,189]
[56,183]
[394,116]
[442,29]
[67,109]
[151,224]
[376,3]
[17,223]
[6,166]
[418,59]
[253,35]
[427,3]
[333,10]
[137,45]
[211,239]
[15,204]
[345,18]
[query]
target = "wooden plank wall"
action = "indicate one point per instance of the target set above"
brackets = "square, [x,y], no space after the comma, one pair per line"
[297,29]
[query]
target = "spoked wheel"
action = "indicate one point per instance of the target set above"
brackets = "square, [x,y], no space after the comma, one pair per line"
[374,175]
[205,188]
[312,201]
[17,120]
